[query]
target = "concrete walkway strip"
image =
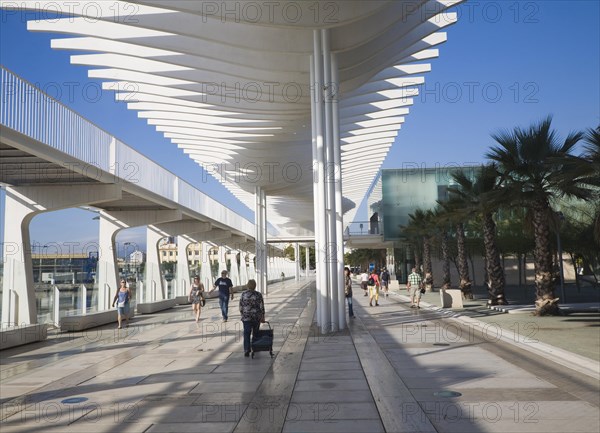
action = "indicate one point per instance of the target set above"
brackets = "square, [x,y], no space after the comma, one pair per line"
[390,393]
[268,408]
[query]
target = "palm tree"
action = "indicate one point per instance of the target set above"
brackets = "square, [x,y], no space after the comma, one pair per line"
[592,155]
[534,168]
[420,227]
[457,216]
[479,197]
[442,218]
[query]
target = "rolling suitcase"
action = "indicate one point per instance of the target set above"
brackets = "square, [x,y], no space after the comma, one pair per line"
[263,341]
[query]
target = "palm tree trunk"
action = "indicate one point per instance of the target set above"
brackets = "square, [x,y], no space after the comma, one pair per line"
[445,262]
[417,260]
[519,269]
[428,280]
[463,266]
[546,302]
[495,271]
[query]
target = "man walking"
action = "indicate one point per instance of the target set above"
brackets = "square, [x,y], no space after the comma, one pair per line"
[224,285]
[413,286]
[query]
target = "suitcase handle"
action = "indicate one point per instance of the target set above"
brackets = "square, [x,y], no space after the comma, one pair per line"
[268,323]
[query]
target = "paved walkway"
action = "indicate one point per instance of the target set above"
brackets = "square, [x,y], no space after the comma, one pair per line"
[394,369]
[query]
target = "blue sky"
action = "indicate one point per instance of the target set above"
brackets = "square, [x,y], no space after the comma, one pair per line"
[505,64]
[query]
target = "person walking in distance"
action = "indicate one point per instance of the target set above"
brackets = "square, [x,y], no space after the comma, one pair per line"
[373,284]
[122,298]
[413,285]
[225,286]
[252,310]
[196,297]
[348,290]
[364,278]
[385,281]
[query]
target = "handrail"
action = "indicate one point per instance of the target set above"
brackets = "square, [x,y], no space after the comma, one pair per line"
[29,111]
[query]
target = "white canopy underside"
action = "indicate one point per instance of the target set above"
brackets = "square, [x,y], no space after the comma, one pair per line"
[228,82]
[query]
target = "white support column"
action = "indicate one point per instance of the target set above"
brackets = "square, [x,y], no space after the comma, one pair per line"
[307,260]
[222,259]
[18,267]
[265,250]
[155,289]
[260,212]
[332,247]
[323,301]
[206,276]
[251,267]
[297,261]
[183,266]
[339,216]
[243,267]
[234,271]
[107,271]
[110,225]
[22,204]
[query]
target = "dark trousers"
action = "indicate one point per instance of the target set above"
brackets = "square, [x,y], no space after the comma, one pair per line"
[224,304]
[250,327]
[350,310]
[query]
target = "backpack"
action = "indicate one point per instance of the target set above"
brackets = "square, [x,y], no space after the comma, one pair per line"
[371,281]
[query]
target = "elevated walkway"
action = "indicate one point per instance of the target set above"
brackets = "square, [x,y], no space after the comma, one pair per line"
[395,369]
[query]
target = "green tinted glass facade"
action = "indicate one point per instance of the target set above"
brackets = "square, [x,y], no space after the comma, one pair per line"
[405,190]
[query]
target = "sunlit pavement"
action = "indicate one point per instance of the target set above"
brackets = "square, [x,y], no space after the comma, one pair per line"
[395,369]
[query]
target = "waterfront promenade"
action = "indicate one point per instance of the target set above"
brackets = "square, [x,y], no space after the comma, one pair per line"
[394,369]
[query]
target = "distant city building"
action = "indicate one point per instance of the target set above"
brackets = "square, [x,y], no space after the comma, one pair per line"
[72,268]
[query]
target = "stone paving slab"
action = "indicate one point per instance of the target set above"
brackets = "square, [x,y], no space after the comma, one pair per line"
[169,374]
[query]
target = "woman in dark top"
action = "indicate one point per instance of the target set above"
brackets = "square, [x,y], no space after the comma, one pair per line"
[252,309]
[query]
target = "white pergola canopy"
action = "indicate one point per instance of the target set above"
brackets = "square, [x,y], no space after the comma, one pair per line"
[229,83]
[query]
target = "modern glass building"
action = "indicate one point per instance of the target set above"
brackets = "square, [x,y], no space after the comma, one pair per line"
[403,192]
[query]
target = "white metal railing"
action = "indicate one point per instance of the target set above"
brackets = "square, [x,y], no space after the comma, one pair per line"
[27,110]
[31,112]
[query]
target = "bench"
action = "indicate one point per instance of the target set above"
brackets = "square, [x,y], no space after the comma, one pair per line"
[182,300]
[79,322]
[153,307]
[13,336]
[451,298]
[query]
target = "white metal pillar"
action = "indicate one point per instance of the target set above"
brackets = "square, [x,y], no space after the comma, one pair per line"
[260,213]
[339,215]
[332,246]
[297,261]
[307,260]
[323,302]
